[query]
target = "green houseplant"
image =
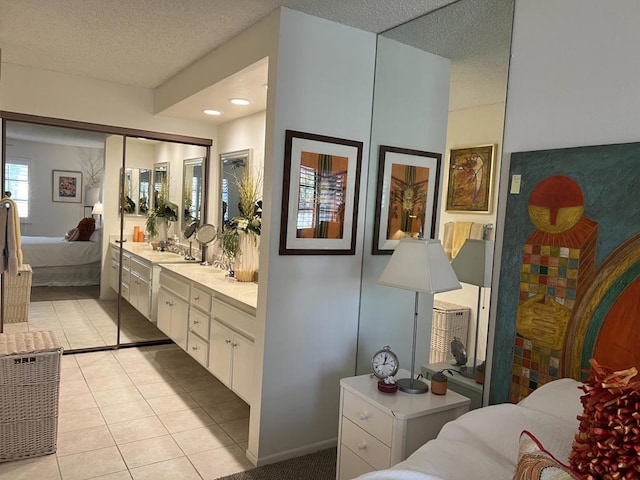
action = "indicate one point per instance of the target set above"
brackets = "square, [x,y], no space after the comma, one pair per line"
[239,241]
[163,211]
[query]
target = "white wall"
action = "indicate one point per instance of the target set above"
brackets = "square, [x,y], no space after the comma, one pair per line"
[409,111]
[307,304]
[49,218]
[572,82]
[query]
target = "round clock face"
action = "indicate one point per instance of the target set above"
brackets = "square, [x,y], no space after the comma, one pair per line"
[385,363]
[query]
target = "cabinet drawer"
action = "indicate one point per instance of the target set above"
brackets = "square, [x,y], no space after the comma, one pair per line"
[125,290]
[233,317]
[201,299]
[141,267]
[199,323]
[351,465]
[126,276]
[174,284]
[198,349]
[368,417]
[115,254]
[365,445]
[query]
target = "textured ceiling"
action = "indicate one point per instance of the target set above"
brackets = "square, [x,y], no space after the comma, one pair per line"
[146,42]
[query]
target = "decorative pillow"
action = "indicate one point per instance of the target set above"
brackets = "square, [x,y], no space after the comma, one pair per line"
[608,439]
[96,236]
[535,463]
[86,227]
[72,235]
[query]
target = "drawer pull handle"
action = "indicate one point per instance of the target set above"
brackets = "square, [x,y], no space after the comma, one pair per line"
[196,298]
[364,416]
[234,345]
[362,445]
[194,347]
[195,322]
[227,341]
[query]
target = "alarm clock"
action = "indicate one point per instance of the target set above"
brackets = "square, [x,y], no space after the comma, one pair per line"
[385,363]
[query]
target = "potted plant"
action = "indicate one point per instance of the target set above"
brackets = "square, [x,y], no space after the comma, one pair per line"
[240,238]
[161,214]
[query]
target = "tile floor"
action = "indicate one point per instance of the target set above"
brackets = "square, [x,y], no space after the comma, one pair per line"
[141,413]
[84,322]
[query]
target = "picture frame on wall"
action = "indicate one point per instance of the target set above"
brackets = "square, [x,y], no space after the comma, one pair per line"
[67,186]
[470,179]
[320,194]
[406,196]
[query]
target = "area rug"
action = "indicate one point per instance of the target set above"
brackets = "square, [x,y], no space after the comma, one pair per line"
[320,465]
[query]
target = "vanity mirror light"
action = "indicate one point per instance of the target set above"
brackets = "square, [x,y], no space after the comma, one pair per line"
[137,191]
[192,190]
[233,165]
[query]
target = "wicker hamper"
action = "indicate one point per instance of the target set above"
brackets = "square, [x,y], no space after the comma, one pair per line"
[449,321]
[29,388]
[17,295]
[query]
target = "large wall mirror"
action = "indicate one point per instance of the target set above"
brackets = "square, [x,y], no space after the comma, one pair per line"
[137,191]
[451,94]
[233,166]
[160,177]
[192,191]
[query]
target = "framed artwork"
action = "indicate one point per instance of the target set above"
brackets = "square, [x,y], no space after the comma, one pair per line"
[406,196]
[320,195]
[470,179]
[67,186]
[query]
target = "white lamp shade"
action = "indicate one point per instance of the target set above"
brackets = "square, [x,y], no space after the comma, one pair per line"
[474,262]
[97,209]
[419,265]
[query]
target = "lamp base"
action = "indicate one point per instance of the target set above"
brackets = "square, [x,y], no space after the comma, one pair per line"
[468,372]
[408,385]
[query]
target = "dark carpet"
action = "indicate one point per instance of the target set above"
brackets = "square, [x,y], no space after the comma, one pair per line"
[320,465]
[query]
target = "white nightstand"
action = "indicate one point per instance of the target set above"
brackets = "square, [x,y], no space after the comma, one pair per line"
[378,430]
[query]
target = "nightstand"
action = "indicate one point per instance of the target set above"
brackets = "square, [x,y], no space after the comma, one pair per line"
[378,430]
[463,385]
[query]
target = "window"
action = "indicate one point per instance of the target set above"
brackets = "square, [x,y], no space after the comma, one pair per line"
[16,181]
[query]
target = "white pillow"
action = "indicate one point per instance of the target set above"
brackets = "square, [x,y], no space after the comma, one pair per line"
[72,235]
[560,398]
[96,236]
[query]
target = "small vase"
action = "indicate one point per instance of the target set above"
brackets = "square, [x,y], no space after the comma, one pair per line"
[162,226]
[246,262]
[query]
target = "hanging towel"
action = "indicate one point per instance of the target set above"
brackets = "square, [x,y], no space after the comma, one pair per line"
[10,240]
[477,230]
[461,231]
[447,239]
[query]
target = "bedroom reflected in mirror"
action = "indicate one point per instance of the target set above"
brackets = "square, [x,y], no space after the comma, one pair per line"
[233,165]
[192,191]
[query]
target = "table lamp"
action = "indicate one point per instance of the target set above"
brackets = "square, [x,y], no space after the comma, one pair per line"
[419,265]
[473,265]
[98,209]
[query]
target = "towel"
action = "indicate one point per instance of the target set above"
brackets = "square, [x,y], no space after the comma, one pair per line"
[10,240]
[461,231]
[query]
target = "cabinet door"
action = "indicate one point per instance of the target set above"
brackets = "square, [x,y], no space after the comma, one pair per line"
[220,352]
[242,370]
[164,311]
[114,275]
[179,322]
[143,296]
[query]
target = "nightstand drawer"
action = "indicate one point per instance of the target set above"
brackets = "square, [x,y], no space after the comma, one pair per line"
[351,465]
[365,445]
[367,416]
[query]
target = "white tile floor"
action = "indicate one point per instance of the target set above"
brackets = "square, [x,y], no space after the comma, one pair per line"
[141,413]
[87,322]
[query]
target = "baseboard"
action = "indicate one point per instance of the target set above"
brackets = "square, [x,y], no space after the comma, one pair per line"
[295,452]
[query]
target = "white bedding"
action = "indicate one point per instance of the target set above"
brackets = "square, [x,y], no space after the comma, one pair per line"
[483,443]
[57,252]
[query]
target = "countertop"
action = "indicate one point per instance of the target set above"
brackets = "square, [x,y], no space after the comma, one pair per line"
[146,251]
[215,279]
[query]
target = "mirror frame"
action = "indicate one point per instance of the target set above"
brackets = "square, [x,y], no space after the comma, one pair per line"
[244,156]
[133,181]
[157,167]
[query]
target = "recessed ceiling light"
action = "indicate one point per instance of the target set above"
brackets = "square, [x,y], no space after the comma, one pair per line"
[239,101]
[211,112]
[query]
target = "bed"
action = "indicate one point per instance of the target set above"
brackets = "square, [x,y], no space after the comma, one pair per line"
[58,263]
[483,443]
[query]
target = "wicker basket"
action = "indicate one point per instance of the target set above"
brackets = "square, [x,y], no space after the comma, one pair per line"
[17,295]
[449,321]
[29,390]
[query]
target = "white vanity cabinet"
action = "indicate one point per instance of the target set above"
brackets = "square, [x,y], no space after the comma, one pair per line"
[219,326]
[173,309]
